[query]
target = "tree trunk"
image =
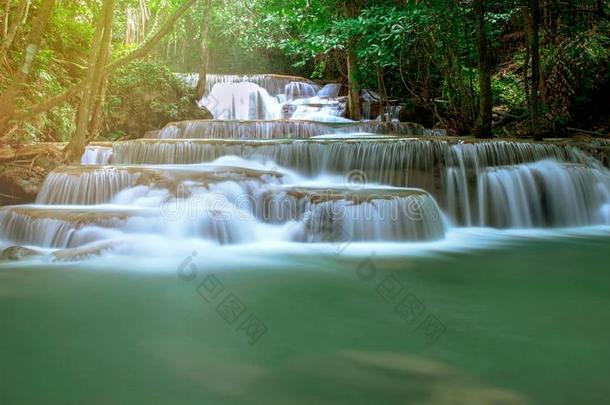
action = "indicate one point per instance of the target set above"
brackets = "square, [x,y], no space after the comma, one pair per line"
[353,79]
[15,89]
[484,121]
[205,50]
[533,31]
[383,96]
[7,11]
[96,118]
[600,8]
[95,74]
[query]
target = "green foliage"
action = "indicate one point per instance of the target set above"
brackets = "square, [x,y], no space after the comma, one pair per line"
[424,48]
[145,96]
[508,90]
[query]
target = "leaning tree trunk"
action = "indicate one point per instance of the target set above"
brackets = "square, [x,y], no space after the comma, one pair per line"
[95,75]
[353,79]
[484,121]
[8,100]
[205,50]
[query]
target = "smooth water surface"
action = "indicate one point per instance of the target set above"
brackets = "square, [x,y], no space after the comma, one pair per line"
[524,321]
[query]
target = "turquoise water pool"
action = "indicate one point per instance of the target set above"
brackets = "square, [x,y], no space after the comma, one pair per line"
[522,320]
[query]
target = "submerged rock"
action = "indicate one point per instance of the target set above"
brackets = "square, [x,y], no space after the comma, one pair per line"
[84,252]
[361,377]
[17,253]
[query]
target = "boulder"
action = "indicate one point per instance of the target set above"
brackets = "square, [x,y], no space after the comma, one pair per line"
[145,96]
[22,171]
[414,113]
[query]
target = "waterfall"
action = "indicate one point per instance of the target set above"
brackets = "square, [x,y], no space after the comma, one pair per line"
[91,185]
[386,159]
[296,90]
[96,155]
[393,111]
[248,101]
[66,227]
[283,129]
[241,101]
[86,185]
[273,84]
[318,109]
[542,194]
[454,173]
[254,176]
[343,215]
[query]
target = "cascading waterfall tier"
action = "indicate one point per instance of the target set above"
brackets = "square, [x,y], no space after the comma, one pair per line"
[299,89]
[63,227]
[83,185]
[385,158]
[67,227]
[96,155]
[341,214]
[248,101]
[455,173]
[278,97]
[273,84]
[542,194]
[241,101]
[283,129]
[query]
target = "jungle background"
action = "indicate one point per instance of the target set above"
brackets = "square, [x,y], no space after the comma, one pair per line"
[541,65]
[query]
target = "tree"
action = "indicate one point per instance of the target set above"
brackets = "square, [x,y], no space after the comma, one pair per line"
[484,121]
[8,100]
[93,85]
[77,88]
[532,13]
[10,31]
[205,49]
[353,78]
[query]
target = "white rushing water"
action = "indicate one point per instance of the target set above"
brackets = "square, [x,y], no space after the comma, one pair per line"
[252,180]
[269,97]
[264,98]
[96,155]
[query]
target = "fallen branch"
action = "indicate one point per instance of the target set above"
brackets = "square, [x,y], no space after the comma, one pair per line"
[584,131]
[11,197]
